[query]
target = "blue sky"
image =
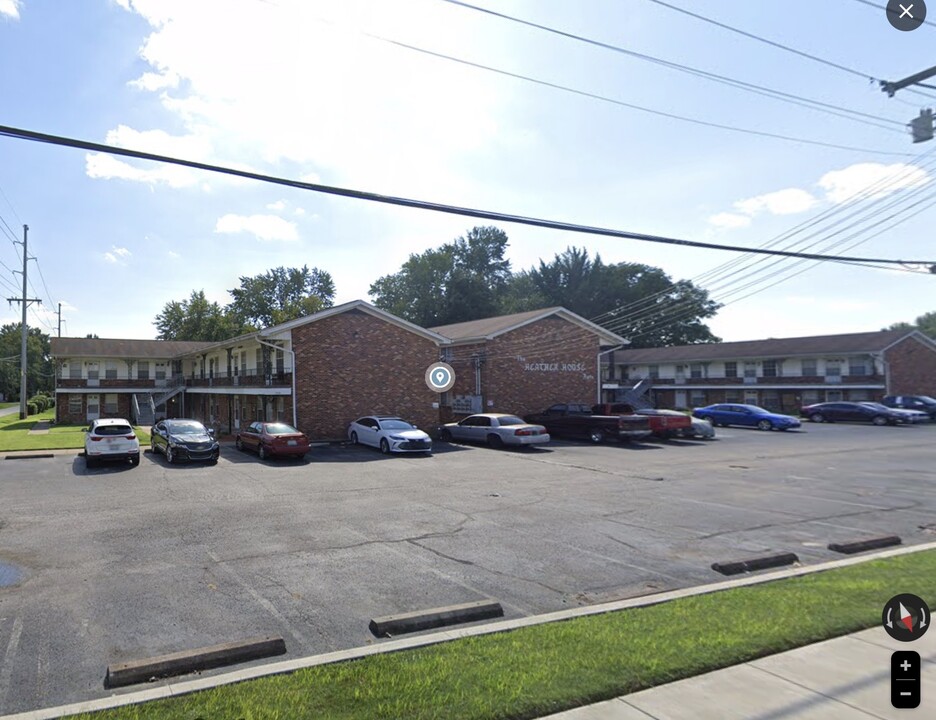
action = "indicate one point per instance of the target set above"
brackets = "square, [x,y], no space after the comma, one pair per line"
[296,88]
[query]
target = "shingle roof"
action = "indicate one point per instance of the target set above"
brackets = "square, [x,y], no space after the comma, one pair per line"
[772,347]
[493,326]
[105,347]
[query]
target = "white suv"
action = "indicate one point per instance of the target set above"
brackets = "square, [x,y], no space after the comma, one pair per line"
[111,439]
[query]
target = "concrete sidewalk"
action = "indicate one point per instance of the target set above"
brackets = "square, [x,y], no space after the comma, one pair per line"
[847,678]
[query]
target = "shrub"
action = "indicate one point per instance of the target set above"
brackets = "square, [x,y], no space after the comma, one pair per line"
[40,401]
[32,409]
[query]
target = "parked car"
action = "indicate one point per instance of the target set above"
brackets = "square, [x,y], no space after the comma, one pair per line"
[923,403]
[577,420]
[180,439]
[270,439]
[850,412]
[495,429]
[909,416]
[700,429]
[111,439]
[390,434]
[663,423]
[745,415]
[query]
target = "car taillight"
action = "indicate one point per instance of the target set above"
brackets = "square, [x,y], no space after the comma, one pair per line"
[95,439]
[526,431]
[131,437]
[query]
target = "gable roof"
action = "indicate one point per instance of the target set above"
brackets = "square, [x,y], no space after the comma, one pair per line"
[116,348]
[490,328]
[363,307]
[868,342]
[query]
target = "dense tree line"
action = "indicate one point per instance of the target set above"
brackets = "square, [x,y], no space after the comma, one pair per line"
[926,324]
[39,372]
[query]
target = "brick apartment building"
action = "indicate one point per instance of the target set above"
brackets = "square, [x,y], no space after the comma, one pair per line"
[523,363]
[779,374]
[321,371]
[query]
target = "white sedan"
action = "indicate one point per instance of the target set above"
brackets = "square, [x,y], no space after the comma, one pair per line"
[495,429]
[390,434]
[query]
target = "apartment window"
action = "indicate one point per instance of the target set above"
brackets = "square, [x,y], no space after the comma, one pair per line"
[810,369]
[810,396]
[654,372]
[160,371]
[750,370]
[74,404]
[74,370]
[110,404]
[858,366]
[695,371]
[833,396]
[731,371]
[143,370]
[732,396]
[623,372]
[259,356]
[211,368]
[280,363]
[93,373]
[243,363]
[770,368]
[859,395]
[833,368]
[110,370]
[770,399]
[697,398]
[281,409]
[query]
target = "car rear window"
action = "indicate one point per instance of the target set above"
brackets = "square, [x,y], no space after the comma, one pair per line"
[113,430]
[510,420]
[280,429]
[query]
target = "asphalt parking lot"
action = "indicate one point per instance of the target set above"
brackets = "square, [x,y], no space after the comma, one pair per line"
[123,563]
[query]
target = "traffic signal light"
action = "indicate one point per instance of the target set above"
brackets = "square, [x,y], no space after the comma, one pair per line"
[922,126]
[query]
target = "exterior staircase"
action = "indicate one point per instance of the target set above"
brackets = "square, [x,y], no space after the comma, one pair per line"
[638,396]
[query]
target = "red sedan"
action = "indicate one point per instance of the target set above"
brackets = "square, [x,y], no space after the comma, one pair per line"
[273,438]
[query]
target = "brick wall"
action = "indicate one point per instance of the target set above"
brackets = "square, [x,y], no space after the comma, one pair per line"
[63,414]
[531,368]
[912,366]
[355,364]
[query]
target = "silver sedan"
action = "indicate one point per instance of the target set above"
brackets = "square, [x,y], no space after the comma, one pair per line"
[495,429]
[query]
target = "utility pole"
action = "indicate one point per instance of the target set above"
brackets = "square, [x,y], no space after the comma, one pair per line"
[921,127]
[60,320]
[25,302]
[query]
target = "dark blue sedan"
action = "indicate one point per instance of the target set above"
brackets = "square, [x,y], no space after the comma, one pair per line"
[747,415]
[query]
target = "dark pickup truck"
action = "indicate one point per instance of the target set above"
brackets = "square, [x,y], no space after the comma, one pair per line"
[576,420]
[663,423]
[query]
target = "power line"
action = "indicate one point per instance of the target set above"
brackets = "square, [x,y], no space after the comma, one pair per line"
[632,106]
[725,80]
[884,8]
[33,136]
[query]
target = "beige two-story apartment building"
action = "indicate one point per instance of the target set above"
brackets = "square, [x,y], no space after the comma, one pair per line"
[780,374]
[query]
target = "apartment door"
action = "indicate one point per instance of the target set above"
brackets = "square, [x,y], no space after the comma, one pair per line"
[237,412]
[681,399]
[750,397]
[94,407]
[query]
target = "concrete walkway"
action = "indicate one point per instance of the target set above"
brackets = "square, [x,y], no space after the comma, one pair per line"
[847,678]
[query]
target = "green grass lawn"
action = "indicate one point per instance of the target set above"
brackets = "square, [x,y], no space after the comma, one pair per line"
[14,434]
[538,670]
[4,406]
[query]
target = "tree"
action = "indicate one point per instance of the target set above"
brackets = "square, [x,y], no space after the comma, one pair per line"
[461,280]
[39,375]
[280,295]
[926,324]
[639,302]
[91,336]
[195,319]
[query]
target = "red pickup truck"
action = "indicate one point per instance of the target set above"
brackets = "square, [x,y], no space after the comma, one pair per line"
[663,423]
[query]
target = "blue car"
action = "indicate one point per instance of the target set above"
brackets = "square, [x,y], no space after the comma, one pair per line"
[747,415]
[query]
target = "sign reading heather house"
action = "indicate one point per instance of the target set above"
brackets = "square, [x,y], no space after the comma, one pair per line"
[554,367]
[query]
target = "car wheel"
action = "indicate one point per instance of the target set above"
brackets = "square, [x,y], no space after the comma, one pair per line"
[300,458]
[445,435]
[816,418]
[213,461]
[765,425]
[170,455]
[495,441]
[354,438]
[262,452]
[154,448]
[384,446]
[879,420]
[596,437]
[238,444]
[134,461]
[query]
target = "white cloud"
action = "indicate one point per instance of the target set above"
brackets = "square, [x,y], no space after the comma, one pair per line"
[729,220]
[870,181]
[10,8]
[264,227]
[107,167]
[311,177]
[155,81]
[299,211]
[125,4]
[782,202]
[277,206]
[173,255]
[117,255]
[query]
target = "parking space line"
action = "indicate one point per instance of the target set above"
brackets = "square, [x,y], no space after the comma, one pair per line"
[6,669]
[262,601]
